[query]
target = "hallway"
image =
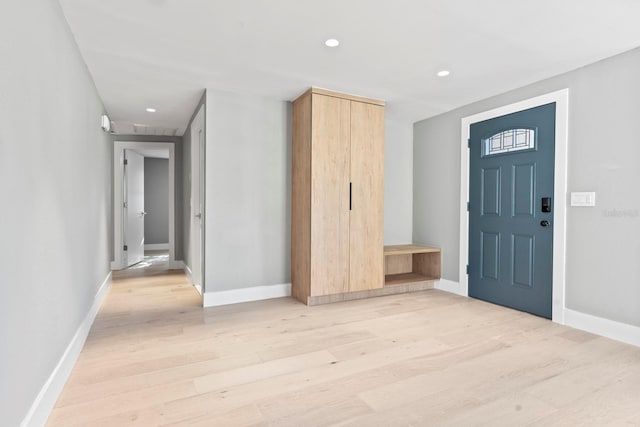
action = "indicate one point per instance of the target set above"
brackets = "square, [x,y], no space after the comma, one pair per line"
[146,311]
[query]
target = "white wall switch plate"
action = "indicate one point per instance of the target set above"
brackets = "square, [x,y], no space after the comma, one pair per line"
[583,198]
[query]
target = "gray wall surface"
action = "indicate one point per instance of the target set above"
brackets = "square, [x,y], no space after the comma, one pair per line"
[178,187]
[186,182]
[55,177]
[436,188]
[156,200]
[248,181]
[602,269]
[398,182]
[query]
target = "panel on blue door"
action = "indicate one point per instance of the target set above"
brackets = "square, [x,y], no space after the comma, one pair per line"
[490,255]
[522,258]
[490,188]
[523,191]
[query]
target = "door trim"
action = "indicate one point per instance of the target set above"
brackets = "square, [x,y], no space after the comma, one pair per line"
[561,99]
[118,197]
[198,157]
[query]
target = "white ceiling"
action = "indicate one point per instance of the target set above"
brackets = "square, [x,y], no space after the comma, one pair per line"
[163,53]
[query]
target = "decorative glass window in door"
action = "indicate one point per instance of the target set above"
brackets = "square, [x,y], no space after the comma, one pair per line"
[509,140]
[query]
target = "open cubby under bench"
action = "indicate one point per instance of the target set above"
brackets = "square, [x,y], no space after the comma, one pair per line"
[404,264]
[407,268]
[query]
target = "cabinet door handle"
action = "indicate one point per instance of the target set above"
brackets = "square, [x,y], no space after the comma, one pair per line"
[350,185]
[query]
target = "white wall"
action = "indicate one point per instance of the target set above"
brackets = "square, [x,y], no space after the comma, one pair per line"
[55,186]
[248,181]
[602,269]
[398,182]
[436,192]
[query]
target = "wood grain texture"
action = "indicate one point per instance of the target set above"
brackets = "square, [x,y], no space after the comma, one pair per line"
[346,153]
[330,150]
[408,249]
[366,266]
[407,263]
[398,264]
[342,95]
[427,264]
[155,357]
[401,283]
[301,199]
[406,278]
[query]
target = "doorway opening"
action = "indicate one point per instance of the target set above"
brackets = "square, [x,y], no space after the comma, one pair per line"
[144,220]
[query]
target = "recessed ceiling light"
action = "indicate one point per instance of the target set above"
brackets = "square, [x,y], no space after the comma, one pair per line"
[332,42]
[443,73]
[151,110]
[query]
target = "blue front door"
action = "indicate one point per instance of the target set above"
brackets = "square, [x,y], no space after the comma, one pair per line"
[511,210]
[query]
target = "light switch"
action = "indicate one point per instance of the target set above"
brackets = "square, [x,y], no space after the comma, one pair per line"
[583,198]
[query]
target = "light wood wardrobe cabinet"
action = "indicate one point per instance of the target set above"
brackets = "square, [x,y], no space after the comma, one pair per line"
[337,195]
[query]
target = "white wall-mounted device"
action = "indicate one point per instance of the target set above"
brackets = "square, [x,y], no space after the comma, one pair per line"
[583,198]
[105,123]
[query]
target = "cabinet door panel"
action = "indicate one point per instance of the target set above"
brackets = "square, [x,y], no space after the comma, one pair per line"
[366,266]
[330,195]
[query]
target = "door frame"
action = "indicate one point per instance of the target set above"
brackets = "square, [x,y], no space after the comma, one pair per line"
[198,157]
[118,199]
[561,99]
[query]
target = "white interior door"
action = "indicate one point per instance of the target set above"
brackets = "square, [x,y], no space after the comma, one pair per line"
[197,198]
[134,207]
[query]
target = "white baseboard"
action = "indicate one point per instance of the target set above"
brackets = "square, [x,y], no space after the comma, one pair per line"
[600,326]
[116,266]
[256,293]
[451,286]
[156,246]
[46,399]
[618,331]
[187,272]
[176,265]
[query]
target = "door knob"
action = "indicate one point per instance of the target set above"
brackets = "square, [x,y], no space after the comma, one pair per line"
[198,215]
[544,223]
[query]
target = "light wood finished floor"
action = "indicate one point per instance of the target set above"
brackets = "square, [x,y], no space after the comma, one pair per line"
[154,357]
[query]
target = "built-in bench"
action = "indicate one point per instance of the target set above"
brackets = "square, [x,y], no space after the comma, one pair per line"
[411,264]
